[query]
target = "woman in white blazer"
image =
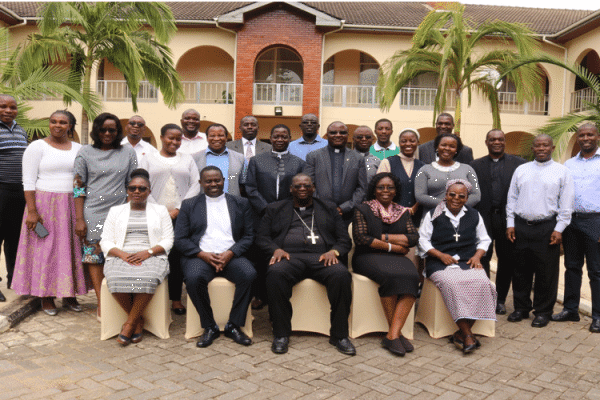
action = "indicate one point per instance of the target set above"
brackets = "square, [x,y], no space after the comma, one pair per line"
[136,239]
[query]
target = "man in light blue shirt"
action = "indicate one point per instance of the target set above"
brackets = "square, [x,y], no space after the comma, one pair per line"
[581,238]
[538,209]
[310,140]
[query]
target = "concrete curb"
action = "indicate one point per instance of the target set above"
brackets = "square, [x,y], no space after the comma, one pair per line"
[17,311]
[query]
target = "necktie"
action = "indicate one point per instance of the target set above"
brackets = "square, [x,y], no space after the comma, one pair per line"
[249,152]
[280,173]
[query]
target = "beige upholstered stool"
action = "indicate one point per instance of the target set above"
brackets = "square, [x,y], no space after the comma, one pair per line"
[220,291]
[311,308]
[434,315]
[366,313]
[157,315]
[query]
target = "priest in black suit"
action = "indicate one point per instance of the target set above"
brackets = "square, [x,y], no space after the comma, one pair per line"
[270,174]
[304,238]
[444,124]
[495,172]
[213,231]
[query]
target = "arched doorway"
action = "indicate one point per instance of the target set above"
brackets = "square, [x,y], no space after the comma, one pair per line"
[519,143]
[278,77]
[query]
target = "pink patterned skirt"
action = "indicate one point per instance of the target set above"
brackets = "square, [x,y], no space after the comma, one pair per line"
[468,294]
[51,267]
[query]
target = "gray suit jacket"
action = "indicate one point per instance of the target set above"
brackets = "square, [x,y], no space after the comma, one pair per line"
[236,167]
[236,145]
[354,177]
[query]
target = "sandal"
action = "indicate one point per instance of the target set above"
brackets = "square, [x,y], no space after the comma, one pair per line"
[457,340]
[139,330]
[122,339]
[469,347]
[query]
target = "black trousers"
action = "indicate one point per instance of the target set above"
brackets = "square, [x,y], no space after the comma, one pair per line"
[258,259]
[578,245]
[197,274]
[535,257]
[505,252]
[12,205]
[281,278]
[175,273]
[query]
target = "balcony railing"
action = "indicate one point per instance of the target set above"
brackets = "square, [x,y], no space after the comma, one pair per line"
[507,103]
[279,94]
[118,91]
[349,96]
[208,92]
[422,99]
[580,99]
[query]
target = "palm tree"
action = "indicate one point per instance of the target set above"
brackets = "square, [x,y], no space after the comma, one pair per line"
[86,33]
[562,128]
[449,45]
[24,81]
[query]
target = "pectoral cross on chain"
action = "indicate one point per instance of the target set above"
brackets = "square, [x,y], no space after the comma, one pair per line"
[456,236]
[313,238]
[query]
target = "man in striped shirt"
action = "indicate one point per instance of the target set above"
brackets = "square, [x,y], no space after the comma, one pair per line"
[13,141]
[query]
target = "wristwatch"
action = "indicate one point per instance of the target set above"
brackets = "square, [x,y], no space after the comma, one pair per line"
[150,252]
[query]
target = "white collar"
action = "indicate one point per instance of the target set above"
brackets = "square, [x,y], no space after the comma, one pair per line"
[279,153]
[456,217]
[451,168]
[391,147]
[246,141]
[217,199]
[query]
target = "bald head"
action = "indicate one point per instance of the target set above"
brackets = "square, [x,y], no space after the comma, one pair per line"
[190,123]
[363,138]
[587,139]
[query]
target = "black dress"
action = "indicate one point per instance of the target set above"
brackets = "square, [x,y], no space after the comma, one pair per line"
[395,273]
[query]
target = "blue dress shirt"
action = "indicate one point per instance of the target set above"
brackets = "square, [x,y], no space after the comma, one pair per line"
[301,148]
[220,161]
[586,176]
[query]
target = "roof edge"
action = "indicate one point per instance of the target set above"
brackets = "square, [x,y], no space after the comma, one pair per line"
[579,24]
[237,16]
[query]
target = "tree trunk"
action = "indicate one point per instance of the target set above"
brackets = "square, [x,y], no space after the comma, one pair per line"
[457,112]
[87,90]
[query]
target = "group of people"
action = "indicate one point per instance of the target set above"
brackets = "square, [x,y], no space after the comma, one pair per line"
[267,216]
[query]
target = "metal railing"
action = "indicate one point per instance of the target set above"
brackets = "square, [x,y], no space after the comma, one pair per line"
[119,91]
[580,99]
[422,99]
[508,103]
[208,92]
[278,93]
[349,96]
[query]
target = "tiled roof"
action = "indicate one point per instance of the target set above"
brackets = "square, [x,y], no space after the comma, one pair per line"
[373,13]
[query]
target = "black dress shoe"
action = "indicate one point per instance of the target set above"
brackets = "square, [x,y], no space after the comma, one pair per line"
[595,326]
[178,311]
[394,346]
[540,321]
[565,315]
[233,332]
[280,345]
[344,346]
[468,348]
[209,335]
[517,316]
[2,298]
[457,339]
[406,344]
[500,309]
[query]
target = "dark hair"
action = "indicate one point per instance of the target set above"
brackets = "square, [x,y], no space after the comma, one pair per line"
[375,180]
[384,120]
[281,126]
[444,114]
[210,168]
[72,120]
[217,126]
[438,139]
[140,173]
[487,135]
[97,125]
[165,128]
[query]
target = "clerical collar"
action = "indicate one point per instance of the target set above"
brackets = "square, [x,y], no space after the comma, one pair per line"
[304,208]
[334,150]
[216,199]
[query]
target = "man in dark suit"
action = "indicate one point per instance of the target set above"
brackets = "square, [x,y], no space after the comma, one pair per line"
[494,173]
[443,124]
[212,232]
[270,174]
[339,174]
[305,237]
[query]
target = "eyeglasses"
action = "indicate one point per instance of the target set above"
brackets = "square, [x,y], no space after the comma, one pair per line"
[337,132]
[454,195]
[141,189]
[137,124]
[301,185]
[385,187]
[112,131]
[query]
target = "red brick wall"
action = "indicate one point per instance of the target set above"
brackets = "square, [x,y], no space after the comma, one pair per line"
[275,27]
